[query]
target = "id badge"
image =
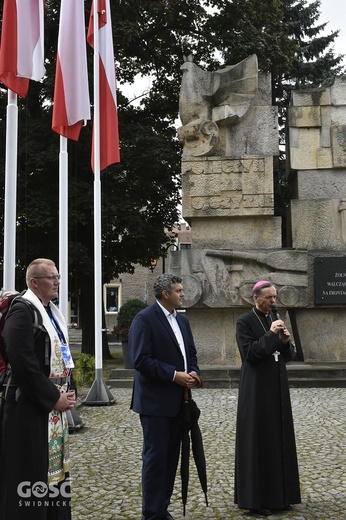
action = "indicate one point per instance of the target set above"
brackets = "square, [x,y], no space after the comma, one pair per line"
[66,354]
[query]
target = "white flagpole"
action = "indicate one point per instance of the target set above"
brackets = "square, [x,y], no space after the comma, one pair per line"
[63,227]
[99,394]
[97,197]
[10,216]
[74,421]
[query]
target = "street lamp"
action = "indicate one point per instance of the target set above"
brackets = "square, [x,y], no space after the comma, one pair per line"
[153,264]
[166,249]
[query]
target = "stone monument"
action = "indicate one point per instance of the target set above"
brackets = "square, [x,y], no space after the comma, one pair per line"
[230,137]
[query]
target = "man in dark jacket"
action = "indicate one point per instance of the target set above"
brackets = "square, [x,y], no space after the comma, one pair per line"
[266,471]
[34,456]
[164,357]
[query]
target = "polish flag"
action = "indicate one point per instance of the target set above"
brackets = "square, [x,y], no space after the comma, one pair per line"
[71,95]
[109,134]
[22,44]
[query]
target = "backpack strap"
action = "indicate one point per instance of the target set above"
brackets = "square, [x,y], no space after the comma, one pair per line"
[38,327]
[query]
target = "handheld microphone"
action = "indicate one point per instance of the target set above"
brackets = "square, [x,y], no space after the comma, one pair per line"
[275,313]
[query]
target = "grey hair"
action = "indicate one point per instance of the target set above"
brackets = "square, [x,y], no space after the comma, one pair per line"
[164,282]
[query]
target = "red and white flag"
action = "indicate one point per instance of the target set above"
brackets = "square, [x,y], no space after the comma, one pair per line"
[109,134]
[71,94]
[22,44]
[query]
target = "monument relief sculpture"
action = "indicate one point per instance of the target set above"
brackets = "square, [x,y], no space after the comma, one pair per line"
[230,137]
[211,99]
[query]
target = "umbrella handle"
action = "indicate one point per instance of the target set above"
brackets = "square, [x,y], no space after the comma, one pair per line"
[197,379]
[198,385]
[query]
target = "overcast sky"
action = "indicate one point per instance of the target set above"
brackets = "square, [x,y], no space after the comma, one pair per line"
[333,12]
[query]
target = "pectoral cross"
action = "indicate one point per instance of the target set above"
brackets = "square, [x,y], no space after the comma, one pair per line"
[276,355]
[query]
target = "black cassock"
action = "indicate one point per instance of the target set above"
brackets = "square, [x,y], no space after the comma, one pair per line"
[24,427]
[266,468]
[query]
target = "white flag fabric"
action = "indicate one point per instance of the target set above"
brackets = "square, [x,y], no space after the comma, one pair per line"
[22,44]
[71,93]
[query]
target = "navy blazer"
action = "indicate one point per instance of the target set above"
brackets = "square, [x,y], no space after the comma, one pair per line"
[156,355]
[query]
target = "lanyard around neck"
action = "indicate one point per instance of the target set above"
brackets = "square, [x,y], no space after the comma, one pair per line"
[56,326]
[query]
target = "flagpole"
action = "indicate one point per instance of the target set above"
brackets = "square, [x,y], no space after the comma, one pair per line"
[10,214]
[63,227]
[73,419]
[70,108]
[99,393]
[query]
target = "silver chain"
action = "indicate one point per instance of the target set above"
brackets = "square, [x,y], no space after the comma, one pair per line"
[259,319]
[276,354]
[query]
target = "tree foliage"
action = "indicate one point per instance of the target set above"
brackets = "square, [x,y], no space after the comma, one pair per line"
[126,314]
[140,195]
[252,27]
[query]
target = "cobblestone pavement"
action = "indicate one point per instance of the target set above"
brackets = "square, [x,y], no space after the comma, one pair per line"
[106,457]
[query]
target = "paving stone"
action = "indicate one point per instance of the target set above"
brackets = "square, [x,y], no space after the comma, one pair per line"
[106,459]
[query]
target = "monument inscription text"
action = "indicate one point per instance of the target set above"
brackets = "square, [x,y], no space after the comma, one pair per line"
[330,280]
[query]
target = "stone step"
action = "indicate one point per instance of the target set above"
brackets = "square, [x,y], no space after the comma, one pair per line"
[300,374]
[121,373]
[320,382]
[120,383]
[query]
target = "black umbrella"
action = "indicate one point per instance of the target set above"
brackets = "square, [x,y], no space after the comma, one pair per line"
[189,416]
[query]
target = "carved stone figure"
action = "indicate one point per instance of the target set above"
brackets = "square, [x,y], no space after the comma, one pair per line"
[230,139]
[209,100]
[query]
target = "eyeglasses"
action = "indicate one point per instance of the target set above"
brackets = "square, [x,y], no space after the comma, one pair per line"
[53,278]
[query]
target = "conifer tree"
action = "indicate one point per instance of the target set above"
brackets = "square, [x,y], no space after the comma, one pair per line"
[314,65]
[140,195]
[290,44]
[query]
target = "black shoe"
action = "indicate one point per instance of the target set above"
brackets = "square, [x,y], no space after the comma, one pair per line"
[262,511]
[285,508]
[168,517]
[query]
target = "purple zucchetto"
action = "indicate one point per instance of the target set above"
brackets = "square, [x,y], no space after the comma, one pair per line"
[259,284]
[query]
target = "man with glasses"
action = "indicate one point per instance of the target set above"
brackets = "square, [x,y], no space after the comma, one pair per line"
[34,456]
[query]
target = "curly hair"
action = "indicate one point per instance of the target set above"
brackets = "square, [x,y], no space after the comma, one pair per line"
[164,282]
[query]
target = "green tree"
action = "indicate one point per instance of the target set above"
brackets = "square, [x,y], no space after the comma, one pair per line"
[245,28]
[290,44]
[140,195]
[314,65]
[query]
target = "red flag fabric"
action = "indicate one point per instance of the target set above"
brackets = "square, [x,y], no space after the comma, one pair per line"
[71,94]
[22,44]
[109,134]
